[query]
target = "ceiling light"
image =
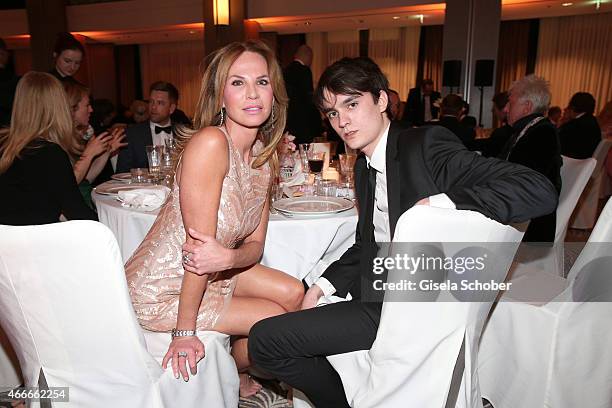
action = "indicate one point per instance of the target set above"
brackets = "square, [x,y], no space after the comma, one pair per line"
[396,17]
[420,17]
[308,23]
[567,4]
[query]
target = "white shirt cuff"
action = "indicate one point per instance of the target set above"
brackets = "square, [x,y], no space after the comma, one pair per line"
[327,288]
[441,201]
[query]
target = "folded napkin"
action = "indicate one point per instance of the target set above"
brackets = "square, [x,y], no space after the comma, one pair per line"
[149,198]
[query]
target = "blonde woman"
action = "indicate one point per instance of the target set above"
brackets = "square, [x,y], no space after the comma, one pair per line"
[36,177]
[219,210]
[89,157]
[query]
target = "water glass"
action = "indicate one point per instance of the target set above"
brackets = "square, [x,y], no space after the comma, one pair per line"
[327,188]
[304,148]
[347,165]
[139,175]
[154,156]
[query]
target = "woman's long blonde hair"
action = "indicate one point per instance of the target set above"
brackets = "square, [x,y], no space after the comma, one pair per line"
[209,105]
[40,111]
[75,93]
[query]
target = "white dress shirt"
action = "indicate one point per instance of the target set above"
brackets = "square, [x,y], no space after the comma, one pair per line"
[382,229]
[159,138]
[427,108]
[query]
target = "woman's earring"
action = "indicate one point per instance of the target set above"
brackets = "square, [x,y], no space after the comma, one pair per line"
[222,115]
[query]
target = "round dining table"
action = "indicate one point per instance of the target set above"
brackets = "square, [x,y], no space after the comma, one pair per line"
[302,246]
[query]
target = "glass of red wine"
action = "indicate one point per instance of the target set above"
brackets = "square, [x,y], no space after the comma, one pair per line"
[315,163]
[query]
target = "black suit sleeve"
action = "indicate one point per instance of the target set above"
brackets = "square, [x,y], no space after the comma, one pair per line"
[63,186]
[503,191]
[124,158]
[343,272]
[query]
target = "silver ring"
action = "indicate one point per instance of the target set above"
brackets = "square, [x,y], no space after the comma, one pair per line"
[182,354]
[186,258]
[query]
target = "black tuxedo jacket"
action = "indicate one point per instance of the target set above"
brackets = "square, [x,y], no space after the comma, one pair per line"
[539,150]
[430,160]
[414,112]
[579,137]
[134,155]
[303,118]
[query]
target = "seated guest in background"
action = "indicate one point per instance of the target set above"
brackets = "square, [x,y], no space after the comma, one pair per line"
[395,105]
[554,115]
[68,54]
[451,110]
[103,115]
[581,134]
[140,111]
[163,100]
[420,108]
[400,167]
[303,119]
[534,143]
[89,157]
[493,145]
[218,211]
[36,176]
[467,120]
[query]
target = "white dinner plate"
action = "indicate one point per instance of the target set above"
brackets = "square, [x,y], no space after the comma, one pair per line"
[125,177]
[311,205]
[114,187]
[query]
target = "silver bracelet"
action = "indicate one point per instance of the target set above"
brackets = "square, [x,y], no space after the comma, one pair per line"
[182,333]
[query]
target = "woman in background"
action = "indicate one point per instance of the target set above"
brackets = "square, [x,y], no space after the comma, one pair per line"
[67,54]
[218,212]
[89,157]
[36,177]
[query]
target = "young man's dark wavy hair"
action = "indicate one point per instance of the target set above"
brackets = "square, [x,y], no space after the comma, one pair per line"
[351,76]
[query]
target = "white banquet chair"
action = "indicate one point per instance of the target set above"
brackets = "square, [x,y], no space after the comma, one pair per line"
[575,175]
[424,354]
[585,214]
[67,312]
[535,353]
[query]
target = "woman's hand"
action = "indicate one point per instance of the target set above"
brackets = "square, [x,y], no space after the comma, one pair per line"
[188,349]
[116,141]
[206,255]
[97,145]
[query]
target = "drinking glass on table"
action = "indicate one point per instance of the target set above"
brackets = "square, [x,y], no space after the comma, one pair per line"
[347,165]
[154,156]
[303,148]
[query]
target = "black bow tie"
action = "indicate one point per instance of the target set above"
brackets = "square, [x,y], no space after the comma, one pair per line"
[167,129]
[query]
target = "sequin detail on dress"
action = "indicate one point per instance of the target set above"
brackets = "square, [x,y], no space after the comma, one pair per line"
[155,271]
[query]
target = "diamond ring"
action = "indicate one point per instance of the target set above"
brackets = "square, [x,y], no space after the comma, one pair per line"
[182,354]
[186,258]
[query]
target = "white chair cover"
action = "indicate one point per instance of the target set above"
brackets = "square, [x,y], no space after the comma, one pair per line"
[574,177]
[557,354]
[10,375]
[67,312]
[585,213]
[412,361]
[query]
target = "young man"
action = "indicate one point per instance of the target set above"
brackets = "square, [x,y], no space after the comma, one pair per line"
[399,168]
[163,100]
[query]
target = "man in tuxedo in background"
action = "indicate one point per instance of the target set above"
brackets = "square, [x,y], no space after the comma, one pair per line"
[420,107]
[399,167]
[451,109]
[303,119]
[581,134]
[163,100]
[494,144]
[534,143]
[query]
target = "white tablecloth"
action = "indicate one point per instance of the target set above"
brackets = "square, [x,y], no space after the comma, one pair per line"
[301,247]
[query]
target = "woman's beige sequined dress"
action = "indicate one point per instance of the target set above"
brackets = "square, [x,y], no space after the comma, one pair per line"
[155,271]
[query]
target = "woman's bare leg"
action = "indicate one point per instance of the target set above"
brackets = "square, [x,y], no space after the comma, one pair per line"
[260,293]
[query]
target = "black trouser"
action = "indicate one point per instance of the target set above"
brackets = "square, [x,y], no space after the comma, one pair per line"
[293,346]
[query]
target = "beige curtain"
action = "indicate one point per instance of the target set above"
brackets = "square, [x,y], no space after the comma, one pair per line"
[318,43]
[512,53]
[177,63]
[432,54]
[574,55]
[396,51]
